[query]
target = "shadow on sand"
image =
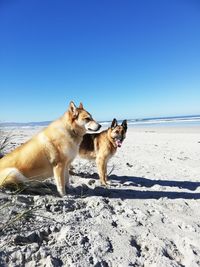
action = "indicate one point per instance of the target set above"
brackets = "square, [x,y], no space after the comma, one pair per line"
[143,182]
[137,182]
[146,182]
[131,194]
[49,188]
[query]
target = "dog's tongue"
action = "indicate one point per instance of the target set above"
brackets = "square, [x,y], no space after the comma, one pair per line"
[118,143]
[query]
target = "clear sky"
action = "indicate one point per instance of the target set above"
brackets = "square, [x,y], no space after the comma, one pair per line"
[123,59]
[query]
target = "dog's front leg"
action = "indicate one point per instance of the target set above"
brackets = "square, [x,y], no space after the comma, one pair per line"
[67,176]
[101,166]
[59,175]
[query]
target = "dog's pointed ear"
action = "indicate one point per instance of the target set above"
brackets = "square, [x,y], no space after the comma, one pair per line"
[81,105]
[114,123]
[124,125]
[73,109]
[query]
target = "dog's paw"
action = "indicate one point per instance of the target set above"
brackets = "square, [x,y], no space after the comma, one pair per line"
[103,184]
[61,192]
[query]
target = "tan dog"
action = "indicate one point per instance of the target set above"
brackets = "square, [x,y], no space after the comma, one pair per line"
[50,152]
[102,146]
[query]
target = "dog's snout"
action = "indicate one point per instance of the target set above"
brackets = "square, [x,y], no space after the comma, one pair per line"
[93,126]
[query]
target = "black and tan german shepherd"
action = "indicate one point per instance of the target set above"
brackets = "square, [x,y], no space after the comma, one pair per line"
[102,146]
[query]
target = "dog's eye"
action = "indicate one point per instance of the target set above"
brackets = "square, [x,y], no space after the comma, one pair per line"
[117,132]
[88,119]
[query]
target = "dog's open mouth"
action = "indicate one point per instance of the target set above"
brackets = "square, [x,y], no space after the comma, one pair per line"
[118,142]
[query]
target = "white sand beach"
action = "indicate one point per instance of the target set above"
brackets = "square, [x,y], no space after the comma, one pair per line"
[148,216]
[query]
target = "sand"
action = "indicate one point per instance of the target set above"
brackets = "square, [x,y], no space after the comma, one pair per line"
[148,216]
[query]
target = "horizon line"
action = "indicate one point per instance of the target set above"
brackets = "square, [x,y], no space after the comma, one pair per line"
[106,120]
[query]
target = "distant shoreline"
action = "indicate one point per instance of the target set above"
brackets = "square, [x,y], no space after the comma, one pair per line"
[178,121]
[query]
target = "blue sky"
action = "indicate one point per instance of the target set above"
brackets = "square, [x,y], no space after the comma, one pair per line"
[124,59]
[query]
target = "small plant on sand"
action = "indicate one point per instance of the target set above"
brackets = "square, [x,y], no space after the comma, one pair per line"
[4,142]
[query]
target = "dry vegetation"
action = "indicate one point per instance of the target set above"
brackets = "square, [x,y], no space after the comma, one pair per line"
[4,142]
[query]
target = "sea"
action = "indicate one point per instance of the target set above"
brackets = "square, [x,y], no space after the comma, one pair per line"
[176,121]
